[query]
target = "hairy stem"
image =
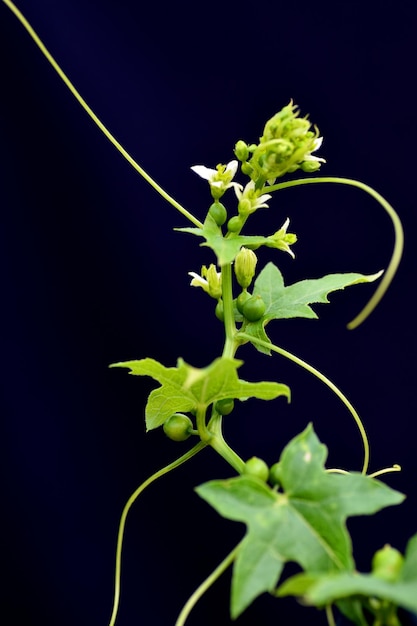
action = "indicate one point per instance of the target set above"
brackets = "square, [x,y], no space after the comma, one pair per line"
[96,120]
[205,585]
[324,380]
[398,232]
[182,459]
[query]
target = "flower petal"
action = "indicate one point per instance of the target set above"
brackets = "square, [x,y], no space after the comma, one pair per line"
[205,172]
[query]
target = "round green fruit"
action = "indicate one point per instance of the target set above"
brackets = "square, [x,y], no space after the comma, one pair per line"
[219,310]
[234,224]
[387,563]
[254,308]
[225,406]
[241,299]
[178,427]
[275,474]
[218,213]
[257,467]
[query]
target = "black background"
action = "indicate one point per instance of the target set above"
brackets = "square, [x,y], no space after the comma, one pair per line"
[92,273]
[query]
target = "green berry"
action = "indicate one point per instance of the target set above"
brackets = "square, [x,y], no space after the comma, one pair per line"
[225,406]
[254,308]
[241,299]
[234,224]
[387,563]
[219,310]
[218,213]
[275,474]
[178,427]
[257,467]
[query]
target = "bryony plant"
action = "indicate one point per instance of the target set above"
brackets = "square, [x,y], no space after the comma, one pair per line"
[296,509]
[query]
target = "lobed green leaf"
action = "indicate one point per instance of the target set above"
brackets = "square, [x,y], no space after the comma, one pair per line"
[295,300]
[305,523]
[185,388]
[225,249]
[346,588]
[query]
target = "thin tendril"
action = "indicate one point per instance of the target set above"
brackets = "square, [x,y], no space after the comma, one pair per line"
[330,616]
[182,459]
[398,232]
[324,380]
[95,119]
[335,470]
[205,585]
[387,470]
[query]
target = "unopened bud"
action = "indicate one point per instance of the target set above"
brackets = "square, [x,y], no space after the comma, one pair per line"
[245,265]
[241,150]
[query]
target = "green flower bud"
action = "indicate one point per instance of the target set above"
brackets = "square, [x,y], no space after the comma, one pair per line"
[245,265]
[247,169]
[241,150]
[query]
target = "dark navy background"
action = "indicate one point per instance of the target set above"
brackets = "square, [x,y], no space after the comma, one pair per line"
[92,273]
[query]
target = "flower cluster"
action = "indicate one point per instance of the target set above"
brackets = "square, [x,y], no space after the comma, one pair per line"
[286,145]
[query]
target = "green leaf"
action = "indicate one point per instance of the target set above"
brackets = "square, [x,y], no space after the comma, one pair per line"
[320,589]
[186,388]
[294,300]
[225,249]
[305,523]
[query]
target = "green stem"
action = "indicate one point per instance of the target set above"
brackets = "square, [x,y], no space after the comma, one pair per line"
[221,447]
[330,616]
[398,232]
[182,459]
[205,585]
[324,380]
[203,431]
[230,345]
[95,119]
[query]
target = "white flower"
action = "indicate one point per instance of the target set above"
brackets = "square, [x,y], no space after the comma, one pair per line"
[219,179]
[316,145]
[282,240]
[249,201]
[210,281]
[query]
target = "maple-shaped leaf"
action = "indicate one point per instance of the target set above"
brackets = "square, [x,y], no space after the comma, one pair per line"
[294,300]
[304,523]
[186,388]
[225,249]
[348,588]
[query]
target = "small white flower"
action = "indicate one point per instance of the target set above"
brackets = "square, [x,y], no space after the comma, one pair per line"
[283,240]
[210,281]
[220,178]
[316,145]
[249,201]
[198,281]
